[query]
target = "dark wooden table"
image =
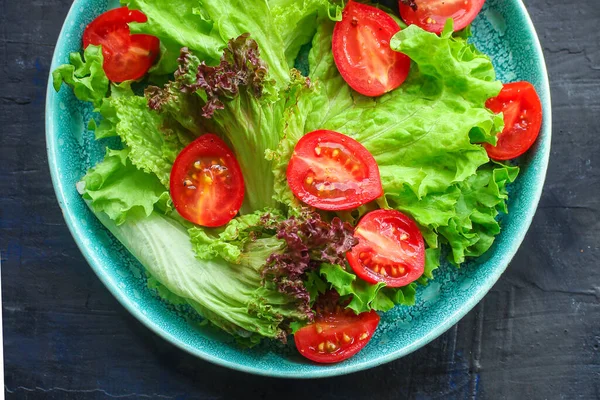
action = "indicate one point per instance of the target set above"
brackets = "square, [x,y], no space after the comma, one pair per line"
[535,335]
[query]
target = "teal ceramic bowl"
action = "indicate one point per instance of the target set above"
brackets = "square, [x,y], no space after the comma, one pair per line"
[503,30]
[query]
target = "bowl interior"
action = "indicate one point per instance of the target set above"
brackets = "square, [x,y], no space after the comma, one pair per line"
[503,30]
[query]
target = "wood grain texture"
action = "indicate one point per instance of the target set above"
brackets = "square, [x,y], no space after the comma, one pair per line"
[536,335]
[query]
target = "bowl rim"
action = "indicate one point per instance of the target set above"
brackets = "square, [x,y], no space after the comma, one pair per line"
[76,231]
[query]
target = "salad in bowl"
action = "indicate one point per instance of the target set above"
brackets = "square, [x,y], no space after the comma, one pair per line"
[292,172]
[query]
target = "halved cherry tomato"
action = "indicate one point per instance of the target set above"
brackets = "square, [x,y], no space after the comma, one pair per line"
[390,249]
[336,337]
[431,15]
[207,186]
[126,56]
[522,110]
[331,171]
[362,53]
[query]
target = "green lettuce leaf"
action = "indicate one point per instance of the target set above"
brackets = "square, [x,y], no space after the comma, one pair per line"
[296,22]
[472,229]
[298,104]
[178,24]
[206,26]
[364,296]
[84,74]
[257,20]
[229,242]
[231,296]
[119,189]
[154,141]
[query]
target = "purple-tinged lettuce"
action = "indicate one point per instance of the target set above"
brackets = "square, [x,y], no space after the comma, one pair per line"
[240,67]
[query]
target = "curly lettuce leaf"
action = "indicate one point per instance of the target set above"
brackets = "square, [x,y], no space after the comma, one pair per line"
[154,141]
[119,189]
[472,229]
[241,68]
[462,68]
[299,103]
[363,296]
[175,98]
[229,242]
[84,74]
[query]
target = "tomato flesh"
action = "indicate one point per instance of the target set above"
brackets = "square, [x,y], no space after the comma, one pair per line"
[522,109]
[336,337]
[332,171]
[126,56]
[431,15]
[362,53]
[207,186]
[390,249]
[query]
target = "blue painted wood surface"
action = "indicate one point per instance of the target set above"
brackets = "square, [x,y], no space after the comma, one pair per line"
[535,335]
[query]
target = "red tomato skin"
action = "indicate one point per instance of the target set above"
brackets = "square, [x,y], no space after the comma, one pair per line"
[434,22]
[358,16]
[308,338]
[126,56]
[522,120]
[370,222]
[365,190]
[220,210]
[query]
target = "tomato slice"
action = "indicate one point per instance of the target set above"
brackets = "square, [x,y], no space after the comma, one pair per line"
[362,53]
[431,15]
[207,186]
[126,56]
[390,249]
[332,171]
[336,337]
[522,110]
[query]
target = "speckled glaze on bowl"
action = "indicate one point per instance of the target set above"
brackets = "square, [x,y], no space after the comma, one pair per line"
[503,30]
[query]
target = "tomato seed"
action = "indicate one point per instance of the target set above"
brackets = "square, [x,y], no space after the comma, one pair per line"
[187,182]
[335,153]
[364,336]
[198,165]
[318,328]
[347,339]
[309,180]
[318,151]
[321,347]
[383,271]
[394,271]
[331,347]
